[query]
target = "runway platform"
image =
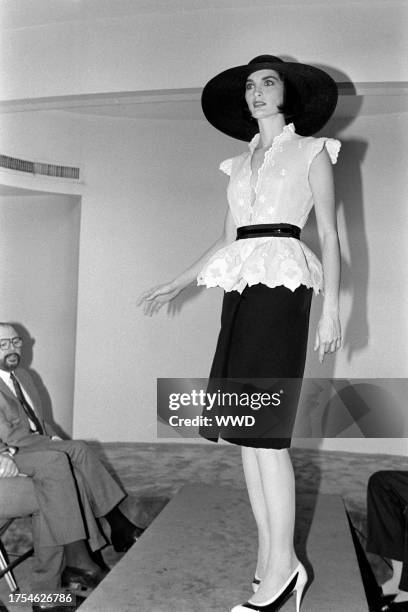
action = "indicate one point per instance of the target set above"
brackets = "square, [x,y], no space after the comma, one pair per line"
[199,554]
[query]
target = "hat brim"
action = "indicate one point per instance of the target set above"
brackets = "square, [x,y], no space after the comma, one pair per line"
[224,106]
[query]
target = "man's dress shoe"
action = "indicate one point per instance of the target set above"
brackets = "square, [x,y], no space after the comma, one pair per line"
[80,580]
[121,542]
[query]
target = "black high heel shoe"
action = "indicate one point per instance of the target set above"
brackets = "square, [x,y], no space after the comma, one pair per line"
[122,541]
[295,583]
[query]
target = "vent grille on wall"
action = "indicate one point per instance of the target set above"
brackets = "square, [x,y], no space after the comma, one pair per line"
[22,165]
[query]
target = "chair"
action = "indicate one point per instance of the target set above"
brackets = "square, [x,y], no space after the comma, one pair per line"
[17,499]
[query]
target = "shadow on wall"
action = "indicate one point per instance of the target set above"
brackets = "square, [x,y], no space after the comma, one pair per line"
[349,198]
[337,408]
[26,361]
[189,294]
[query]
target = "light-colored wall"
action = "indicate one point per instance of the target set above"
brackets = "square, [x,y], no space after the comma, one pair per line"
[46,136]
[38,288]
[153,199]
[184,46]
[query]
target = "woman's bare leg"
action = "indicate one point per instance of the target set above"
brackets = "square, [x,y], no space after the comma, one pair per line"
[258,504]
[278,484]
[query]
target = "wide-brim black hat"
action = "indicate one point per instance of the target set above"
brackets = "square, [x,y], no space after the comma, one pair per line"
[224,106]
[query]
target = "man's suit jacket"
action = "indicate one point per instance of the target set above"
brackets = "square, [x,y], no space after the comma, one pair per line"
[14,424]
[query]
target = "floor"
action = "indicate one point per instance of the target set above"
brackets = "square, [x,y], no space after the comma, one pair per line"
[153,473]
[199,556]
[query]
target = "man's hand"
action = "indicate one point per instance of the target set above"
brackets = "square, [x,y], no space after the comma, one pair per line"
[8,467]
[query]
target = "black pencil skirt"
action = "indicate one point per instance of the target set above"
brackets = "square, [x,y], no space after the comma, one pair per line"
[261,349]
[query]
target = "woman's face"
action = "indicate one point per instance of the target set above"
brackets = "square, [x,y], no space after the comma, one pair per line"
[264,93]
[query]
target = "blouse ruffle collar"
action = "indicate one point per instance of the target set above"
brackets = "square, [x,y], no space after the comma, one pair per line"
[287,131]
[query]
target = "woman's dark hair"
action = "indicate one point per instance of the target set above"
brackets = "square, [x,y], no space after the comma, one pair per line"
[291,106]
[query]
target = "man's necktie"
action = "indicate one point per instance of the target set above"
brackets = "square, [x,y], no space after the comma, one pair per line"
[26,406]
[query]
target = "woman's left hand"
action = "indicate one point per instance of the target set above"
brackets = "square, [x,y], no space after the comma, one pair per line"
[328,335]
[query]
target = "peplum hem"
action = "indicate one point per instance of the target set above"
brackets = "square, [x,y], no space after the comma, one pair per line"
[272,261]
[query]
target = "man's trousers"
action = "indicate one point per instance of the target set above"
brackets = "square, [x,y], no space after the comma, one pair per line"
[387,520]
[72,489]
[48,561]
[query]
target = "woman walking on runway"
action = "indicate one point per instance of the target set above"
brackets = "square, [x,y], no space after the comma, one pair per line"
[269,276]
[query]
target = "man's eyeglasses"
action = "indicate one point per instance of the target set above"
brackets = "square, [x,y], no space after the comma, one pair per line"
[5,343]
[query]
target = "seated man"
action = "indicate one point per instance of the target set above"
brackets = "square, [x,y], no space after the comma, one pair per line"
[72,487]
[387,531]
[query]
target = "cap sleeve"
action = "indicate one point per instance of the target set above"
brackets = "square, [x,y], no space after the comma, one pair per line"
[226,166]
[332,146]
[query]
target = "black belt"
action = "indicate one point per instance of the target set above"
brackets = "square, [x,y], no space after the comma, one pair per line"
[284,230]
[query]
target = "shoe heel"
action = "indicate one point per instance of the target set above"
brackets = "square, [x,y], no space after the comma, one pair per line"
[299,593]
[300,585]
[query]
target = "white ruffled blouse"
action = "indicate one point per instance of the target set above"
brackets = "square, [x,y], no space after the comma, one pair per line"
[282,194]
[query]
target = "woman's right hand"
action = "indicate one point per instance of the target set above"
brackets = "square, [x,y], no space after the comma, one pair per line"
[156,297]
